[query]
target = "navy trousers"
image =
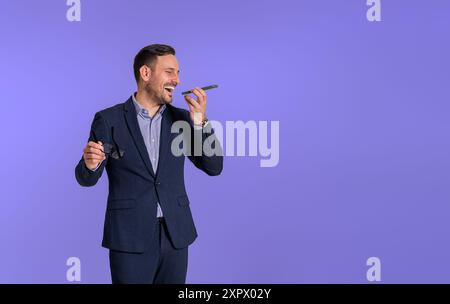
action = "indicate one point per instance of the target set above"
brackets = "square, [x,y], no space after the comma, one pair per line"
[160,264]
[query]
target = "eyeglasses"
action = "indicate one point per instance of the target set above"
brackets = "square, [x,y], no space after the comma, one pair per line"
[112,150]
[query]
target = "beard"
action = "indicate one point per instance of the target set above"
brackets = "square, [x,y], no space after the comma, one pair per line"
[161,97]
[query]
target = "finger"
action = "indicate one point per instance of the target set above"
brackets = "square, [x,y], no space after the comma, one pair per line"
[191,108]
[202,92]
[92,149]
[195,109]
[95,145]
[199,95]
[93,160]
[191,101]
[95,151]
[202,101]
[94,155]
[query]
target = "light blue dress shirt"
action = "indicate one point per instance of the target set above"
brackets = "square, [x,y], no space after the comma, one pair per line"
[151,130]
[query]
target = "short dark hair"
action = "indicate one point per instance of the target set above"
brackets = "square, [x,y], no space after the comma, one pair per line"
[148,55]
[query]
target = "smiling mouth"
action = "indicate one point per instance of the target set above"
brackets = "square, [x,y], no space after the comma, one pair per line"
[169,89]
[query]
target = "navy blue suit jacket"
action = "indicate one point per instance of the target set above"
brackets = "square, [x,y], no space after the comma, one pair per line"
[134,189]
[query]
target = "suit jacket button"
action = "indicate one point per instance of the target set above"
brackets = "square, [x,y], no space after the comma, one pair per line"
[157,183]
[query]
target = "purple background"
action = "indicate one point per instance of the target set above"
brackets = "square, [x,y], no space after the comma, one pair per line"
[364,124]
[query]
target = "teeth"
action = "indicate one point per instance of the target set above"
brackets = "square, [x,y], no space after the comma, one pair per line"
[169,88]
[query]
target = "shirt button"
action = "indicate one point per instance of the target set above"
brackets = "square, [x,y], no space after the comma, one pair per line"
[153,139]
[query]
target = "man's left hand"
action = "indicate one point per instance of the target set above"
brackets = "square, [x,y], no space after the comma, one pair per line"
[197,107]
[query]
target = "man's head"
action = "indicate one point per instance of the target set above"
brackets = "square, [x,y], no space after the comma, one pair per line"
[156,71]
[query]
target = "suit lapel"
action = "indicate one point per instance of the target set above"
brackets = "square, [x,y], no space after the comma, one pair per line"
[133,126]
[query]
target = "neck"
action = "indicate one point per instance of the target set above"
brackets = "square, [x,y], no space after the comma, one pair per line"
[147,102]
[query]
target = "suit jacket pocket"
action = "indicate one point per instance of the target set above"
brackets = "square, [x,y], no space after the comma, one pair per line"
[183,200]
[115,204]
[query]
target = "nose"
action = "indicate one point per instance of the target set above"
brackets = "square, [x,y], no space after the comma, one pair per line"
[177,80]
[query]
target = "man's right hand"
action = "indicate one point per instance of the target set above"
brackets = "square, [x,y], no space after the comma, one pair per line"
[93,154]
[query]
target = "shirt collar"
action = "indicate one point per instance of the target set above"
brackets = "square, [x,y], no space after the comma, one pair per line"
[143,111]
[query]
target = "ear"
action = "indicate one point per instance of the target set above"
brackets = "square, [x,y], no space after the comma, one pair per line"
[145,72]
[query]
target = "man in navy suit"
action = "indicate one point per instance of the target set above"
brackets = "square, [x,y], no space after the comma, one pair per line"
[148,222]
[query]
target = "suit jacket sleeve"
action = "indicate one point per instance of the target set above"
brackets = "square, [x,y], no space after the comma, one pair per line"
[84,176]
[211,165]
